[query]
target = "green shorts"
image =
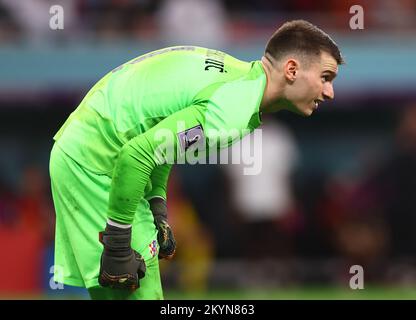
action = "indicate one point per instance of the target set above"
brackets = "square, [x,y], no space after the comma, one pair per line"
[81,200]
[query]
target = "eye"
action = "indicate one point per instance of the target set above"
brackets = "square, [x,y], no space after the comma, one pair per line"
[325,78]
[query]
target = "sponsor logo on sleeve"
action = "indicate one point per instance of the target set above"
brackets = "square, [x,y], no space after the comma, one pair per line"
[191,137]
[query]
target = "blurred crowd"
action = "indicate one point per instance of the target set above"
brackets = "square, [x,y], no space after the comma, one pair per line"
[215,21]
[27,225]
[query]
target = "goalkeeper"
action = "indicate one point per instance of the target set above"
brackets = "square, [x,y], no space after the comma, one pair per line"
[109,166]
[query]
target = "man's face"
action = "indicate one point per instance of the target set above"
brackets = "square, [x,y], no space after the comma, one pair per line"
[312,85]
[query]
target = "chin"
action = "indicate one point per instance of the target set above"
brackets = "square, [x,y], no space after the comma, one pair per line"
[305,111]
[308,112]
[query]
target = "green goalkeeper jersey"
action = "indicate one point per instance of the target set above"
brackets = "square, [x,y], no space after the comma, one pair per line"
[121,127]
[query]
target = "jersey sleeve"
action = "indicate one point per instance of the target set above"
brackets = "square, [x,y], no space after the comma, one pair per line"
[162,144]
[232,111]
[159,180]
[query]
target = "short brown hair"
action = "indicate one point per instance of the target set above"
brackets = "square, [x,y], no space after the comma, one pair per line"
[302,37]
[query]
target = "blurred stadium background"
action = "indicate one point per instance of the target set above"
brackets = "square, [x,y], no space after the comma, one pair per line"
[337,189]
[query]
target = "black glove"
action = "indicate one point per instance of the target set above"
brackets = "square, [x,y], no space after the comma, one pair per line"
[167,243]
[121,267]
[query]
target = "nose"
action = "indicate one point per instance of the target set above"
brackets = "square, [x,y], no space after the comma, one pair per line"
[328,91]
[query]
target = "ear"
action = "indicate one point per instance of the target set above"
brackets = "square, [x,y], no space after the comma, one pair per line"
[291,68]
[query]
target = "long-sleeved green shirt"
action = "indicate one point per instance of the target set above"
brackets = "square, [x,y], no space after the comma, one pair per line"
[154,110]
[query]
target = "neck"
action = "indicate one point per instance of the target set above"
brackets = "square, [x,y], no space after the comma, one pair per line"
[273,99]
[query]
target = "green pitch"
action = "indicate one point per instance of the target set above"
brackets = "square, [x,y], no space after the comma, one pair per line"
[290,293]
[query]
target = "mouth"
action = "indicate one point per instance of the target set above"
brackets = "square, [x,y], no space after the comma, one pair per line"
[317,102]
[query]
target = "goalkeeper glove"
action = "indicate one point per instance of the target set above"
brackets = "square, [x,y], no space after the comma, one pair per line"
[121,267]
[167,242]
